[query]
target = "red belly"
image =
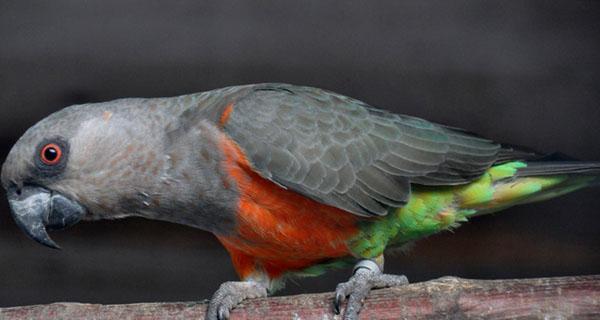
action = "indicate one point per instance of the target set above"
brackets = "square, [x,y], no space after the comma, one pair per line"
[278,229]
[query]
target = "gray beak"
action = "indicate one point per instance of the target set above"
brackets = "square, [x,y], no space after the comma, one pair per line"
[36,209]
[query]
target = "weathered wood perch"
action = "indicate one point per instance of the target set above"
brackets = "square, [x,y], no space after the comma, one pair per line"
[448,297]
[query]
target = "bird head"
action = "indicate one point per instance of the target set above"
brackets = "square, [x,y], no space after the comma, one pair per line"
[82,162]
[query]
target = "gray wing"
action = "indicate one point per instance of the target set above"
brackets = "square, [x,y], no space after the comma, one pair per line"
[343,153]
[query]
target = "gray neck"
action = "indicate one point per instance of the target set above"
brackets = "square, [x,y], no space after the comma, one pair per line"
[193,189]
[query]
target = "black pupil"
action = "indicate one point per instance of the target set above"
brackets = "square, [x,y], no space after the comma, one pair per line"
[50,154]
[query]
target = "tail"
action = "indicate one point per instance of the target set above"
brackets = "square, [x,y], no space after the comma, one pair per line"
[573,168]
[433,209]
[518,182]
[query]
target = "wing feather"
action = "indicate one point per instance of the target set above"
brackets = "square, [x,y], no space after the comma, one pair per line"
[344,153]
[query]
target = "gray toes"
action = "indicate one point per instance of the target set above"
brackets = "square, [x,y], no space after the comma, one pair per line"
[389,280]
[223,313]
[341,292]
[361,286]
[230,294]
[357,289]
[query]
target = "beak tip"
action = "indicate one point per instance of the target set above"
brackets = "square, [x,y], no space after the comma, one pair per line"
[43,239]
[37,210]
[52,245]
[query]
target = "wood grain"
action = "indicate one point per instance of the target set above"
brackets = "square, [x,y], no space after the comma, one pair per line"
[445,298]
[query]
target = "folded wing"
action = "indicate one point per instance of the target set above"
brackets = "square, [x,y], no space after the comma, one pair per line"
[346,154]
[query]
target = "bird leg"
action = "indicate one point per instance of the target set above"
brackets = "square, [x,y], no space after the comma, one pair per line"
[230,294]
[367,274]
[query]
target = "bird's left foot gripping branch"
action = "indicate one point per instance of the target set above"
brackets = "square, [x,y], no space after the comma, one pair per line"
[292,180]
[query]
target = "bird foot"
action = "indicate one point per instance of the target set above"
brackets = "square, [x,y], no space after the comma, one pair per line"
[230,294]
[367,275]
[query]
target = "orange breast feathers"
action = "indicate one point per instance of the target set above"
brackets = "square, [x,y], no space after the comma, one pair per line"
[280,230]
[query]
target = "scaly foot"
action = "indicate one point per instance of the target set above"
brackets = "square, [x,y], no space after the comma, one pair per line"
[367,275]
[230,294]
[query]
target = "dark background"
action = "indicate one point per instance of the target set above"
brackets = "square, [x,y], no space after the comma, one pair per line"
[522,72]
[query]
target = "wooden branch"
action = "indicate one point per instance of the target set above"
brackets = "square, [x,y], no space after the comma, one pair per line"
[448,297]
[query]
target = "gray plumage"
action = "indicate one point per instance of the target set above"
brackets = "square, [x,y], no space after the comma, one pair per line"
[344,153]
[331,148]
[176,159]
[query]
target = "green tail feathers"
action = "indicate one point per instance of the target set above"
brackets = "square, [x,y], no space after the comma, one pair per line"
[433,209]
[518,182]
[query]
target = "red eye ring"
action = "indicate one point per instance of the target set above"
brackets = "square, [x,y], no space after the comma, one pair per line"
[51,154]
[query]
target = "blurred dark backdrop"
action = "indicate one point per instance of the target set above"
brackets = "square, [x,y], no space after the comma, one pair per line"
[522,72]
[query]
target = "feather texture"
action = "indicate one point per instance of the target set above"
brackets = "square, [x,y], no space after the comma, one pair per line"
[346,154]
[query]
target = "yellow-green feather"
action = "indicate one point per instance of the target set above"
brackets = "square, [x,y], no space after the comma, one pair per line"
[434,209]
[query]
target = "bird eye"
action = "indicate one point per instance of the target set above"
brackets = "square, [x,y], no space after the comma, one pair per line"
[51,154]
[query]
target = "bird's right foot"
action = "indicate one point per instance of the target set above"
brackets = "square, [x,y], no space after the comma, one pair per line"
[367,276]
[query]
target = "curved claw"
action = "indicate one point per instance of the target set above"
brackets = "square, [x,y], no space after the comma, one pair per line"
[357,288]
[339,299]
[223,313]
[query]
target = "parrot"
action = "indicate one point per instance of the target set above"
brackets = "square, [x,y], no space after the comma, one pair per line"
[292,180]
